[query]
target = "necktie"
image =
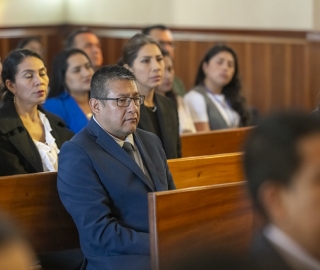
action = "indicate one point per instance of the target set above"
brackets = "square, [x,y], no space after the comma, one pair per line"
[128,147]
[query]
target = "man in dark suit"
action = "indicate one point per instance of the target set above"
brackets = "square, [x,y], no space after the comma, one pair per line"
[103,186]
[86,40]
[164,37]
[282,164]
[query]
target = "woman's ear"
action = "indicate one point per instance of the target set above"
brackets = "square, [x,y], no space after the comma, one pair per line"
[204,67]
[10,85]
[128,67]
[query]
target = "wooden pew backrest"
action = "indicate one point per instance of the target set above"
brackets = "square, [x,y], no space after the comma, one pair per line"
[203,219]
[214,142]
[207,170]
[32,200]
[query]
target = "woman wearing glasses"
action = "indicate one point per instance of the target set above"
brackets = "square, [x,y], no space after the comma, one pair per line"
[142,56]
[69,88]
[30,137]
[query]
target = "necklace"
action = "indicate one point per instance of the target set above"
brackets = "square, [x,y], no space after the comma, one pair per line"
[153,109]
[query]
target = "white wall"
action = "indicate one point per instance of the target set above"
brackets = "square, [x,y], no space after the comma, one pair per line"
[232,14]
[31,12]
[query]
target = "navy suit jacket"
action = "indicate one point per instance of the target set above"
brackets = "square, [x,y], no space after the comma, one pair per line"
[105,192]
[264,256]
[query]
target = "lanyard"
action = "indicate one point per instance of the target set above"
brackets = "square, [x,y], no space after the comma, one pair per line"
[226,108]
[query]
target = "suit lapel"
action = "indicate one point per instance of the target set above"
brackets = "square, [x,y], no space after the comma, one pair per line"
[114,149]
[148,163]
[13,128]
[27,148]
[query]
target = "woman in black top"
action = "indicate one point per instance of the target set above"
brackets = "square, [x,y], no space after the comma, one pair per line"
[30,137]
[142,56]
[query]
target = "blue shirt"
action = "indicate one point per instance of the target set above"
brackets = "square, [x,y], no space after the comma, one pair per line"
[67,108]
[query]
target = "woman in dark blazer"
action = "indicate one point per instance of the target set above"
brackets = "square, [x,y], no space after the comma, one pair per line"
[142,56]
[30,137]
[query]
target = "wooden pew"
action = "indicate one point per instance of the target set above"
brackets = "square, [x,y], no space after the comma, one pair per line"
[32,200]
[188,222]
[207,170]
[214,142]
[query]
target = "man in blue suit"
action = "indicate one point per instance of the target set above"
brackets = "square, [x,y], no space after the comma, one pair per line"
[282,165]
[103,186]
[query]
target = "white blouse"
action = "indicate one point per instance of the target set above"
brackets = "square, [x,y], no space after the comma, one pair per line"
[48,151]
[197,106]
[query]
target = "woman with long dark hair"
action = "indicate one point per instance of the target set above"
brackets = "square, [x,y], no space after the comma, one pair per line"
[142,56]
[216,102]
[30,137]
[69,88]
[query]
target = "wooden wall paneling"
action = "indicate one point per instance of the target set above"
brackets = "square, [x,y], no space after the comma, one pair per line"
[276,70]
[288,91]
[4,48]
[277,97]
[300,89]
[314,63]
[261,87]
[112,49]
[247,74]
[54,45]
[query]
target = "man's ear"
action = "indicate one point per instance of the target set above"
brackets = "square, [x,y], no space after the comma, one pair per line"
[10,86]
[95,106]
[128,67]
[271,197]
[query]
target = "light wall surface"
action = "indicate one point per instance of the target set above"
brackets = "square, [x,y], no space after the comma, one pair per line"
[32,12]
[226,14]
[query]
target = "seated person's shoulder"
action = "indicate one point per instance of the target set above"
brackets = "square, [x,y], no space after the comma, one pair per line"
[56,121]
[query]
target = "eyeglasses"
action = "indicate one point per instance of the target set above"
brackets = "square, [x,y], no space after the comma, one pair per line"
[125,101]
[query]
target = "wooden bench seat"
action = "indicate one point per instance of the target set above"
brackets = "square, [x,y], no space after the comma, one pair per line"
[32,200]
[190,221]
[214,142]
[207,170]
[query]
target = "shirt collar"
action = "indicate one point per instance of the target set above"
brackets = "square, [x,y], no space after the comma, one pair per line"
[292,252]
[129,138]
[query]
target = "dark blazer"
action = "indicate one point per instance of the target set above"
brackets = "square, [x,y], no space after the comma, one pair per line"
[169,125]
[18,153]
[264,256]
[106,193]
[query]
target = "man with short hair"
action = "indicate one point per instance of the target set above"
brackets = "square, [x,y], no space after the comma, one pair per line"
[282,165]
[164,37]
[87,41]
[106,171]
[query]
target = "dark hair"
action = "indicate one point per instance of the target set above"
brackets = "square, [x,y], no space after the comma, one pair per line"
[102,78]
[271,153]
[232,90]
[69,41]
[59,68]
[170,94]
[10,66]
[134,44]
[147,30]
[23,42]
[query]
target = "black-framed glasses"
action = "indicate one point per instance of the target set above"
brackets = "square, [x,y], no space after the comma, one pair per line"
[125,101]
